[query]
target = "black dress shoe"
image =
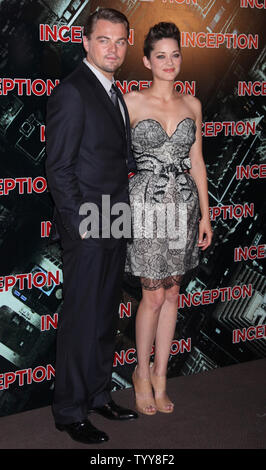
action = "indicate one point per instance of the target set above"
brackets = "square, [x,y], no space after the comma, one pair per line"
[83,431]
[113,411]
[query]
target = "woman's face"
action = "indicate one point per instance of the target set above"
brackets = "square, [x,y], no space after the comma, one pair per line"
[165,59]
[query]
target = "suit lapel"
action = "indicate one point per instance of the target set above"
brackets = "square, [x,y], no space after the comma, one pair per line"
[103,96]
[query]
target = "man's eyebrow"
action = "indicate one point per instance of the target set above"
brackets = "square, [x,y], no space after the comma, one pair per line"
[108,37]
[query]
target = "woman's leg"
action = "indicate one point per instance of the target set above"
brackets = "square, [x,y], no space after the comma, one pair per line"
[166,330]
[164,337]
[146,326]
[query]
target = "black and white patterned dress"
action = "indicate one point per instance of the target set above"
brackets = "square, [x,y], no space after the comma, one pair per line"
[164,205]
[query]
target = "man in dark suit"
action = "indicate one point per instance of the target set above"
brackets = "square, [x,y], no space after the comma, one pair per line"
[88,156]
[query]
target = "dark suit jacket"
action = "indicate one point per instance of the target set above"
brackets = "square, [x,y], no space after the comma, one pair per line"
[88,149]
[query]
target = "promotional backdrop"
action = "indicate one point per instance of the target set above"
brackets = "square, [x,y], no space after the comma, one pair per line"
[222,308]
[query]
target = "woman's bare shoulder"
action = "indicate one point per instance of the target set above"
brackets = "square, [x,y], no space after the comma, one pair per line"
[193,102]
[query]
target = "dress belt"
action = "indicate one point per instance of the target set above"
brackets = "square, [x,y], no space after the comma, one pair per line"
[165,170]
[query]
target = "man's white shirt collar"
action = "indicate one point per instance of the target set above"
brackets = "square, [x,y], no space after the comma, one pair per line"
[106,83]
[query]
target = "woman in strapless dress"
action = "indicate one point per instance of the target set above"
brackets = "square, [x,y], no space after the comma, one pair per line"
[169,206]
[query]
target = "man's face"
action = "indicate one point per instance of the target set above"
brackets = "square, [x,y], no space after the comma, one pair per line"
[107,46]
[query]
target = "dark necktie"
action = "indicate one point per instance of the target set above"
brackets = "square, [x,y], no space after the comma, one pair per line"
[114,92]
[114,98]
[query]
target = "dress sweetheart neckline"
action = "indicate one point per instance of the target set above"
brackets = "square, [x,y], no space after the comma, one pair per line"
[155,120]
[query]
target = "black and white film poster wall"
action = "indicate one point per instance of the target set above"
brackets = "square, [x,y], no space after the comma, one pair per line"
[222,306]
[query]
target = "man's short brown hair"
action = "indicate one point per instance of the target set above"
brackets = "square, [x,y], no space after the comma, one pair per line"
[109,14]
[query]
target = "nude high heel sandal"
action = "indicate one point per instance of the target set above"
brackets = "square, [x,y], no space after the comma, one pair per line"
[145,403]
[162,401]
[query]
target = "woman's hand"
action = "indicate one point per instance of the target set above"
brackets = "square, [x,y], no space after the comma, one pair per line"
[205,233]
